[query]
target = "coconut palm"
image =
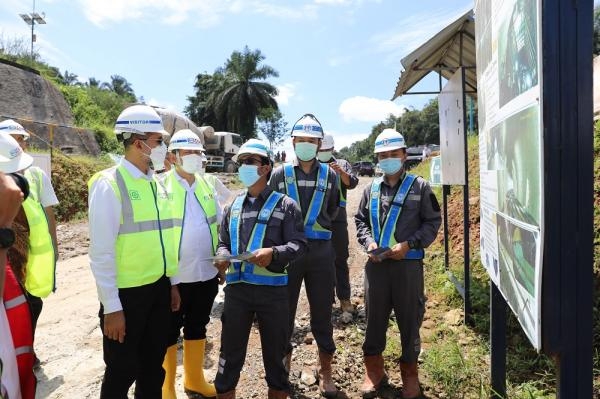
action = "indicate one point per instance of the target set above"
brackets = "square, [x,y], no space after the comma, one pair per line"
[243,93]
[120,86]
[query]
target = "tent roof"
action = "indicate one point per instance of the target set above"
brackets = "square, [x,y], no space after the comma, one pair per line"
[442,53]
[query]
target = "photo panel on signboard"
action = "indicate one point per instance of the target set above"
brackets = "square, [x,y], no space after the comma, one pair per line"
[518,249]
[518,163]
[517,50]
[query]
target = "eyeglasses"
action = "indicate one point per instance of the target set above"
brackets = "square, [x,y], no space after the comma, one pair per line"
[249,161]
[158,141]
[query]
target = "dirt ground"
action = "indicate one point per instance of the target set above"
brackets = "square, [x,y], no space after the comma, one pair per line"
[69,344]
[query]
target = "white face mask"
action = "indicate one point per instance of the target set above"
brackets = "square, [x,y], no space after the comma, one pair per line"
[191,163]
[324,156]
[157,156]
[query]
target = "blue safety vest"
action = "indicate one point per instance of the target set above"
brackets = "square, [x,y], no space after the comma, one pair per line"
[245,271]
[384,236]
[312,229]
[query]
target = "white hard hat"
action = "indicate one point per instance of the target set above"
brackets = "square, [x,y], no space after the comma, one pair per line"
[12,157]
[389,140]
[139,119]
[253,146]
[307,126]
[327,143]
[185,139]
[11,127]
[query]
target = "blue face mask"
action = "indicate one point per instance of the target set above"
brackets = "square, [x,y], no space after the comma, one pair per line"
[390,166]
[248,175]
[305,151]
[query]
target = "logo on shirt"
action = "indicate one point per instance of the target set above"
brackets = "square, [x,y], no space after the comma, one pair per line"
[134,195]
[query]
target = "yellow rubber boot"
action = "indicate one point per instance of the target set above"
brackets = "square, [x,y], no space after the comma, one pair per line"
[170,366]
[193,369]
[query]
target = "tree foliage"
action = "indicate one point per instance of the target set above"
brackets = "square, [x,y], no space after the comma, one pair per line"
[597,30]
[233,97]
[273,126]
[120,86]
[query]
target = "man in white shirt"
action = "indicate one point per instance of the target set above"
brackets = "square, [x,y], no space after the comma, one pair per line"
[134,241]
[197,279]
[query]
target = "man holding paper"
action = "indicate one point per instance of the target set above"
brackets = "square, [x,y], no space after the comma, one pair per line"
[261,232]
[397,218]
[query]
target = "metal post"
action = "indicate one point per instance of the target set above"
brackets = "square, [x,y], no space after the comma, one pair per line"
[497,342]
[445,193]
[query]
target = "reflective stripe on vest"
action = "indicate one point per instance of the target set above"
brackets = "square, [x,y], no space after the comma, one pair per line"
[386,237]
[41,263]
[312,229]
[244,271]
[147,246]
[342,196]
[14,302]
[205,196]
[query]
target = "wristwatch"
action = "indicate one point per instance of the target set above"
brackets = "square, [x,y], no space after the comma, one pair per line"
[275,254]
[412,244]
[7,237]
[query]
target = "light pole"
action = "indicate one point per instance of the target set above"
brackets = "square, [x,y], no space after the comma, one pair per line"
[31,19]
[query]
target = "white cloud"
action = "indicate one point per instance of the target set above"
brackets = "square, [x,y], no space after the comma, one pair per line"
[412,32]
[285,92]
[206,13]
[366,109]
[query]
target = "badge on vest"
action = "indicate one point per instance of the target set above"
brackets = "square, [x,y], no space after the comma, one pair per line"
[264,214]
[235,213]
[134,195]
[289,180]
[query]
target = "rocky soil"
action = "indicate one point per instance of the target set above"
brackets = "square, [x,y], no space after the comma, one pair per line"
[69,344]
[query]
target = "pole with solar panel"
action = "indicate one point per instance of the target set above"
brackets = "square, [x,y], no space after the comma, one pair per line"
[31,19]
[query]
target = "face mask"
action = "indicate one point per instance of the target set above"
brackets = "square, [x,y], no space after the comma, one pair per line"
[157,156]
[248,175]
[305,151]
[390,166]
[324,156]
[191,163]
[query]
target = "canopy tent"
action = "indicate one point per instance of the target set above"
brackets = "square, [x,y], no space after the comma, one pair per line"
[451,48]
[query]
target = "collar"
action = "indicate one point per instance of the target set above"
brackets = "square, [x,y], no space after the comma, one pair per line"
[314,166]
[402,176]
[183,181]
[264,194]
[134,171]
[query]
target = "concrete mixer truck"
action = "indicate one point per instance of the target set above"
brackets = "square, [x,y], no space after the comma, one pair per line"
[220,146]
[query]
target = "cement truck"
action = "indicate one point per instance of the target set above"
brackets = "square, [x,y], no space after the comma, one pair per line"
[220,146]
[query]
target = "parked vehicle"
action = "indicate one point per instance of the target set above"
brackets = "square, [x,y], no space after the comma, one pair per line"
[364,168]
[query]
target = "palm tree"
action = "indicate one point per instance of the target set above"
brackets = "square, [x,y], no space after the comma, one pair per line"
[70,79]
[93,82]
[243,93]
[120,86]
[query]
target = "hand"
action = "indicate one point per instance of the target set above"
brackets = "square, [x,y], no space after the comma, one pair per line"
[336,168]
[114,326]
[262,257]
[221,278]
[12,197]
[175,298]
[375,258]
[222,265]
[399,251]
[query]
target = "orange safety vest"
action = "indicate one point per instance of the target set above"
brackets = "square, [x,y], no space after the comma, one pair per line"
[19,319]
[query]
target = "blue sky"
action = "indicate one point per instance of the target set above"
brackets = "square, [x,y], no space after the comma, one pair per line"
[338,59]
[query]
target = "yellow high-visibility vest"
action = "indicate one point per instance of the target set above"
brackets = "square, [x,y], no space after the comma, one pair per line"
[147,245]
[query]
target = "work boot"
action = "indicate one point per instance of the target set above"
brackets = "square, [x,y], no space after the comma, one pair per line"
[375,376]
[274,394]
[326,384]
[346,306]
[226,395]
[170,366]
[193,370]
[410,380]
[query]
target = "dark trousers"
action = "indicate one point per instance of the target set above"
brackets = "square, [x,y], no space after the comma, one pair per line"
[270,306]
[339,239]
[394,285]
[35,304]
[194,313]
[147,314]
[316,268]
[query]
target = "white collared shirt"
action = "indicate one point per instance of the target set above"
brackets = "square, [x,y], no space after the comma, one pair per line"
[196,241]
[104,221]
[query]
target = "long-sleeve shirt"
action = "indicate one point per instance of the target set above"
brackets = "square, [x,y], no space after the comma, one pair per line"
[196,242]
[419,220]
[104,220]
[285,230]
[345,165]
[306,187]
